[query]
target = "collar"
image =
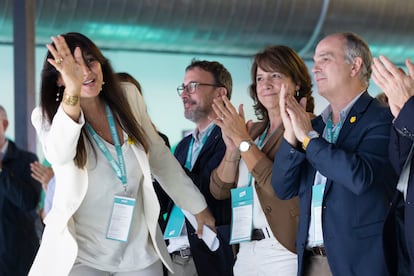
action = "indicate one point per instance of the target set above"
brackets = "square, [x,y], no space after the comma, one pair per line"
[198,135]
[4,148]
[344,112]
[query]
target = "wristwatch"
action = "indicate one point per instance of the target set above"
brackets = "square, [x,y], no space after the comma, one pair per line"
[311,135]
[245,145]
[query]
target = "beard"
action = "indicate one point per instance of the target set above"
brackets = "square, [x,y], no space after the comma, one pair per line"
[197,112]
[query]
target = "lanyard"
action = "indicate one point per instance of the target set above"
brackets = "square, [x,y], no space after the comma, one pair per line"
[118,167]
[259,145]
[189,161]
[332,135]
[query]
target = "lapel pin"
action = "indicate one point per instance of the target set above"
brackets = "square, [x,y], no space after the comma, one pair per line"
[352,119]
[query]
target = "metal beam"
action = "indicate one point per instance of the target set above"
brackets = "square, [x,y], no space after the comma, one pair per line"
[24,70]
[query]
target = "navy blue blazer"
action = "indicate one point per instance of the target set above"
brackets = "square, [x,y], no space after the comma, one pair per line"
[219,262]
[19,196]
[402,138]
[357,193]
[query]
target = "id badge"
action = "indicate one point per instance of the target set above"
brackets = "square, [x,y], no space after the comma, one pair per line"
[317,197]
[121,218]
[242,218]
[175,223]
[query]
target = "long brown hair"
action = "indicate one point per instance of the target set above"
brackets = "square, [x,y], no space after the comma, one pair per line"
[111,94]
[285,60]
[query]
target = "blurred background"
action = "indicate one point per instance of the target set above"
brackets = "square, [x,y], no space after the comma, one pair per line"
[154,40]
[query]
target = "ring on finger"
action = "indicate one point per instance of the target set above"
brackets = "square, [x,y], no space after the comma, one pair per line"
[59,60]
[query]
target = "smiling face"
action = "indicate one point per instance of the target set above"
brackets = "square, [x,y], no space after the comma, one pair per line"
[92,77]
[268,87]
[198,104]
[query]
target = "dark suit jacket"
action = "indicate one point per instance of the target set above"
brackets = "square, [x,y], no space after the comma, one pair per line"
[357,193]
[219,262]
[402,138]
[19,196]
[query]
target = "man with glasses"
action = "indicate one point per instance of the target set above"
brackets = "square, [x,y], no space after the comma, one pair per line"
[200,153]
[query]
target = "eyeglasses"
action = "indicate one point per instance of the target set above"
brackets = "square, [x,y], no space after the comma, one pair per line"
[191,87]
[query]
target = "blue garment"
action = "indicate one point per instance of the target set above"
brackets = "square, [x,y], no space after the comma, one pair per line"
[19,196]
[402,137]
[359,187]
[219,262]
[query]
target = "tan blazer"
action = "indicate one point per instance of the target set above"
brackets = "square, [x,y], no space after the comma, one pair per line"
[58,249]
[282,215]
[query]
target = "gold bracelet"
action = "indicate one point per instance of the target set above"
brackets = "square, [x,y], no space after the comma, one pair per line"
[70,100]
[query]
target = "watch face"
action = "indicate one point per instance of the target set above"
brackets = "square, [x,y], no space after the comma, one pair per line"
[244,146]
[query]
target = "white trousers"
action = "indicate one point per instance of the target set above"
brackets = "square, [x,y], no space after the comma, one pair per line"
[82,270]
[265,257]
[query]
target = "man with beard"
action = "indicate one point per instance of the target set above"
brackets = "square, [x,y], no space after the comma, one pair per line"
[200,153]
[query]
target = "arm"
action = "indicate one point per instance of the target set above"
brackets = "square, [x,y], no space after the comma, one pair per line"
[287,170]
[361,160]
[165,166]
[402,135]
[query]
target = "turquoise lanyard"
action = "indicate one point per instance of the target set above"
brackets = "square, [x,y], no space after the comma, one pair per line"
[189,159]
[332,135]
[259,145]
[118,167]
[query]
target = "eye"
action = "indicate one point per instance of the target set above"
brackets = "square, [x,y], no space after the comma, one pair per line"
[277,76]
[259,78]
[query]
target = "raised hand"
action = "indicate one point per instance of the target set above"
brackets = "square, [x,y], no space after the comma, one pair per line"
[398,86]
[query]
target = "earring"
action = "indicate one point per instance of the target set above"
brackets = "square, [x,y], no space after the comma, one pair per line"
[297,93]
[102,85]
[58,97]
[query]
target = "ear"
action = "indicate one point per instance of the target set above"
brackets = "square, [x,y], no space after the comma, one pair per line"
[356,66]
[5,123]
[222,91]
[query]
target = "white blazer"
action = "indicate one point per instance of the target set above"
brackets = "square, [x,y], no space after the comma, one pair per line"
[58,249]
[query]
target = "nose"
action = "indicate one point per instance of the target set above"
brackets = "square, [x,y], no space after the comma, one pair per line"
[86,70]
[315,67]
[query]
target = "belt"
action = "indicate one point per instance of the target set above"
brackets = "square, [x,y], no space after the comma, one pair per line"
[183,252]
[260,234]
[317,251]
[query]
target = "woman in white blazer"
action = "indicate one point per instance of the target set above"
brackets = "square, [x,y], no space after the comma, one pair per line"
[100,141]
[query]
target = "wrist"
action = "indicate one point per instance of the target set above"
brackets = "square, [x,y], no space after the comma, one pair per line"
[71,100]
[309,136]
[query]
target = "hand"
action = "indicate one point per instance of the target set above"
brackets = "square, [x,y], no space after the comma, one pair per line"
[232,122]
[41,173]
[69,66]
[398,86]
[294,115]
[205,218]
[289,134]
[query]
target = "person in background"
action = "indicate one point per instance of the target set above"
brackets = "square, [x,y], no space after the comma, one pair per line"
[269,249]
[97,136]
[337,164]
[399,227]
[199,153]
[19,196]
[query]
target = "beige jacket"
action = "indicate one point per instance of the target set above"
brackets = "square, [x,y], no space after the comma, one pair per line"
[282,215]
[58,249]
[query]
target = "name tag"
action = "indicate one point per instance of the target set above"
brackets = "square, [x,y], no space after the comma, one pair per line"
[242,218]
[175,223]
[317,197]
[121,218]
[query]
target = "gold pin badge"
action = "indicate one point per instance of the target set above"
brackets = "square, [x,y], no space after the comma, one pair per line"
[131,141]
[352,119]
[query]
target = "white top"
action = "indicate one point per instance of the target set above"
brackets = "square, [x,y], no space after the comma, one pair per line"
[93,215]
